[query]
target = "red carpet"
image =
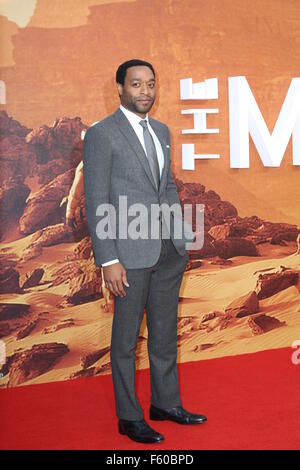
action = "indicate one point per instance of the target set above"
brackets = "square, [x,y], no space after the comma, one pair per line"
[251,401]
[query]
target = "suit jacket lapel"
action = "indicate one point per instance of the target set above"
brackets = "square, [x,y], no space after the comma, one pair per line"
[130,135]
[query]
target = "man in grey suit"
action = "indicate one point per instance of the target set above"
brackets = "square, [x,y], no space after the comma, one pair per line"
[127,155]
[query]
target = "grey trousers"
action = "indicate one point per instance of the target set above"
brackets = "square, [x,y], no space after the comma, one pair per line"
[155,289]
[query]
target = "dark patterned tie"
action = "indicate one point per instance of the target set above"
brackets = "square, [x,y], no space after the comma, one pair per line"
[151,152]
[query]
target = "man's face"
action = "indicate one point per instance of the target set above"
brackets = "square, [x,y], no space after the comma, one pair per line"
[138,92]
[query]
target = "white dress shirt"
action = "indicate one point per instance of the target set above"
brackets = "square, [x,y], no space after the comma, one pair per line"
[134,120]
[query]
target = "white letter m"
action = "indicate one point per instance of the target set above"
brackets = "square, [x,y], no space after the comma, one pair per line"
[245,117]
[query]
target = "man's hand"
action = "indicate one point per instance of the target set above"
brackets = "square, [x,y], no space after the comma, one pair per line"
[114,277]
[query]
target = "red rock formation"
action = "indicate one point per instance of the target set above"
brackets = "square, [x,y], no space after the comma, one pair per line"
[68,322]
[262,323]
[202,347]
[269,284]
[285,234]
[90,358]
[92,371]
[16,158]
[13,195]
[9,279]
[33,362]
[83,249]
[9,126]
[27,329]
[208,316]
[58,148]
[85,283]
[221,261]
[43,209]
[33,278]
[48,236]
[225,233]
[235,247]
[243,306]
[193,265]
[5,329]
[221,232]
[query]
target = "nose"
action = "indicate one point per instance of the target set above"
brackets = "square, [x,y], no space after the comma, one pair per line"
[144,88]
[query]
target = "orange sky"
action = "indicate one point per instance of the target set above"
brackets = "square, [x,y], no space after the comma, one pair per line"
[63,64]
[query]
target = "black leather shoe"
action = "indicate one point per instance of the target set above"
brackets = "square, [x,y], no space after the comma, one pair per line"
[139,431]
[177,414]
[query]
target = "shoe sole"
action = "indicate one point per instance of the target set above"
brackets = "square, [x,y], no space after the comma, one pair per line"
[158,417]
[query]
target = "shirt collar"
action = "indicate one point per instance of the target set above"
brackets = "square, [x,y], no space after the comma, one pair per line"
[133,118]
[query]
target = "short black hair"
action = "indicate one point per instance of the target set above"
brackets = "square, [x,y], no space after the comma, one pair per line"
[121,72]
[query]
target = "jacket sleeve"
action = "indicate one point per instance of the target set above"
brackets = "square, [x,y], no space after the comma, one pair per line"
[171,188]
[97,164]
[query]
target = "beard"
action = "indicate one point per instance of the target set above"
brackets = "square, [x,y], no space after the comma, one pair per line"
[137,106]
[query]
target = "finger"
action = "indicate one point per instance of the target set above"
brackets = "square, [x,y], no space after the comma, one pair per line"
[111,288]
[121,288]
[116,288]
[124,279]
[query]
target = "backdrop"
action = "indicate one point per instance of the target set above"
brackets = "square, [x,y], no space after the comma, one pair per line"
[241,291]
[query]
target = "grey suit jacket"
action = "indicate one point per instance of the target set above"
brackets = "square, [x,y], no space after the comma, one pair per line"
[114,164]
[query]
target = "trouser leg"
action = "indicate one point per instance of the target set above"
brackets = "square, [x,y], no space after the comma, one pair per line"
[161,315]
[128,316]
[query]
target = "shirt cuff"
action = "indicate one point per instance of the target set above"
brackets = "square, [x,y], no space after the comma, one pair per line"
[110,262]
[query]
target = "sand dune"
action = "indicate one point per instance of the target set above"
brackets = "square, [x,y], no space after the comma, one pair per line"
[205,289]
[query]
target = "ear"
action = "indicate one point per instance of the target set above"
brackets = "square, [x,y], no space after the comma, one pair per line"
[120,89]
